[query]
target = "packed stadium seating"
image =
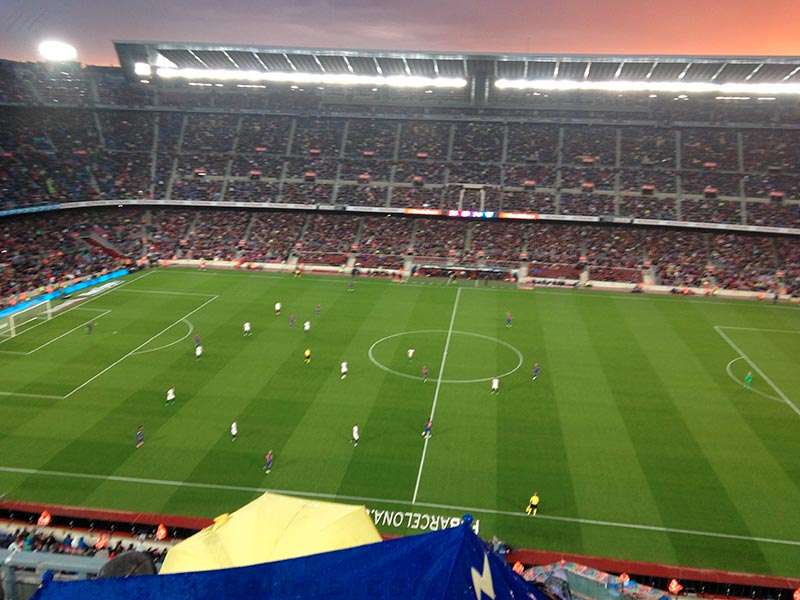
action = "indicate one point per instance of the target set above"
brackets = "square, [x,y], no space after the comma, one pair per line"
[89,134]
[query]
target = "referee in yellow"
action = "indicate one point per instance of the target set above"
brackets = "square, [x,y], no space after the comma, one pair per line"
[533,504]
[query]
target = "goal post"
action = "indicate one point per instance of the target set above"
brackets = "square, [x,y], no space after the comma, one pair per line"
[15,323]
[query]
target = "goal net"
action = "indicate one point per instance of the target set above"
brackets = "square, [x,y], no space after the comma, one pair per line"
[17,322]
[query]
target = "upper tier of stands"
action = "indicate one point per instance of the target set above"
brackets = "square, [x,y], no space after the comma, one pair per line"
[86,134]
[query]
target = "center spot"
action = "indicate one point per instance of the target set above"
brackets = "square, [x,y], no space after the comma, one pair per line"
[471,357]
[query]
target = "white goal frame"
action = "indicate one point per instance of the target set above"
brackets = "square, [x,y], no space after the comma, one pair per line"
[10,324]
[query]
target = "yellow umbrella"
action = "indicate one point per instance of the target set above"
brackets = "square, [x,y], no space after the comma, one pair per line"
[272,527]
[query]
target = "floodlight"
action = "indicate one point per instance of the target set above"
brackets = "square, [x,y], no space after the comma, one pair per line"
[650,86]
[57,51]
[313,78]
[142,69]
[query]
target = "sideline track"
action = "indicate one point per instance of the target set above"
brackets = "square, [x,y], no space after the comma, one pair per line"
[463,509]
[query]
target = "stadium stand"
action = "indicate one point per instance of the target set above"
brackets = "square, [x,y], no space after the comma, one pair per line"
[93,137]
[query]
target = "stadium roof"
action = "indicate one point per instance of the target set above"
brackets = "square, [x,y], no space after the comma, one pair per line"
[269,60]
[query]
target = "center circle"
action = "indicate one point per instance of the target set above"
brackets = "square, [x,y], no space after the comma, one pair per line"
[380,365]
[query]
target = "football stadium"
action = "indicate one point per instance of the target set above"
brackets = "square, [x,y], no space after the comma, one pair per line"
[549,300]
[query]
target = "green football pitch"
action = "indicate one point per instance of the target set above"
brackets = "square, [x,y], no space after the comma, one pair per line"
[638,434]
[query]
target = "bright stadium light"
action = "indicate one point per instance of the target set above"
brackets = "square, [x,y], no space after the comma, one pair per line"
[57,51]
[314,78]
[142,69]
[697,87]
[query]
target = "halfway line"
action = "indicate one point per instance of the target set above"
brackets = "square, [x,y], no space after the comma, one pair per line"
[436,393]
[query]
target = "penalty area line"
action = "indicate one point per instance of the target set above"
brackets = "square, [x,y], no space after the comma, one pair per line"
[756,368]
[140,346]
[363,500]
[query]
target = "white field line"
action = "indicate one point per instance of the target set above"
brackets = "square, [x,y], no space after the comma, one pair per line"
[757,329]
[544,289]
[363,500]
[55,339]
[784,397]
[178,341]
[140,346]
[168,293]
[76,307]
[22,395]
[436,393]
[752,389]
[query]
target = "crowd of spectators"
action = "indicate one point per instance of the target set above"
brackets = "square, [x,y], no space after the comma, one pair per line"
[384,242]
[643,207]
[594,178]
[57,155]
[634,180]
[711,211]
[429,139]
[515,175]
[317,135]
[706,145]
[593,144]
[697,182]
[37,250]
[587,204]
[362,195]
[33,540]
[430,172]
[268,166]
[371,137]
[647,146]
[216,235]
[477,141]
[532,142]
[246,190]
[773,214]
[273,236]
[528,201]
[267,132]
[495,244]
[123,174]
[377,170]
[307,193]
[328,239]
[77,147]
[439,239]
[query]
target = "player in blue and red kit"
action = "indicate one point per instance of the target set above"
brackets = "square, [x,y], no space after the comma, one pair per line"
[428,426]
[139,437]
[508,319]
[424,373]
[268,462]
[535,371]
[291,321]
[196,340]
[319,308]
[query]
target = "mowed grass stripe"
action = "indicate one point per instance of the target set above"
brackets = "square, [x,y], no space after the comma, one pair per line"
[750,462]
[751,449]
[259,389]
[388,457]
[651,412]
[531,455]
[194,444]
[60,421]
[603,458]
[461,454]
